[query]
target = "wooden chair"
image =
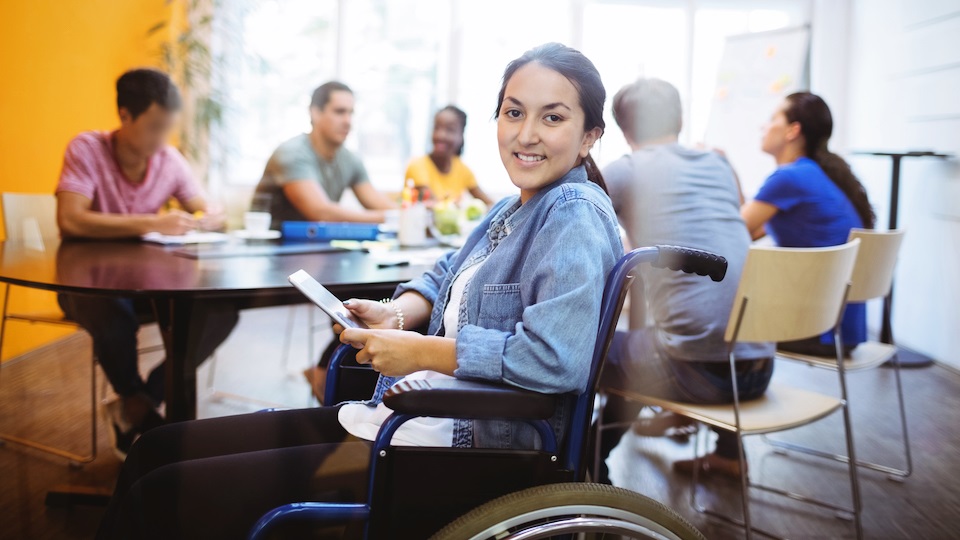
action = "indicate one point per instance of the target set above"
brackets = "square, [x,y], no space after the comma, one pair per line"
[31,218]
[872,278]
[784,294]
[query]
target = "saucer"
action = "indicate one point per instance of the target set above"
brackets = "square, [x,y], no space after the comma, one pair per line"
[256,235]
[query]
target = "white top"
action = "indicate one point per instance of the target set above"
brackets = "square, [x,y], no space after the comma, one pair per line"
[364,421]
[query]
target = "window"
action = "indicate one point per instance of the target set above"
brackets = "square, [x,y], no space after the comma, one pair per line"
[391,52]
[266,82]
[407,58]
[626,41]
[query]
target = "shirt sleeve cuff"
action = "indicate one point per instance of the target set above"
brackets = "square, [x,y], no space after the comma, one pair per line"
[76,187]
[418,285]
[480,353]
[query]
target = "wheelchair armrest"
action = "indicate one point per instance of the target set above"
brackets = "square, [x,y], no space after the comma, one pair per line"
[454,398]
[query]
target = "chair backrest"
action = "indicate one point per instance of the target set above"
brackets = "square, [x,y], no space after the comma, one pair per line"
[615,290]
[787,294]
[876,260]
[30,214]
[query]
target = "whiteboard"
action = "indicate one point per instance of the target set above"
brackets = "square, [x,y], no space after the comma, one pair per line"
[756,72]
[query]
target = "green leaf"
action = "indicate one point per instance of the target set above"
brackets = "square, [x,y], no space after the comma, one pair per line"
[156,28]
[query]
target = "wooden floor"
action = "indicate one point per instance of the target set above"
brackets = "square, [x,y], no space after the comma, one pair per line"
[46,395]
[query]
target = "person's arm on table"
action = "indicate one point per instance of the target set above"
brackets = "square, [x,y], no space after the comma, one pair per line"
[210,217]
[77,220]
[372,199]
[310,200]
[756,214]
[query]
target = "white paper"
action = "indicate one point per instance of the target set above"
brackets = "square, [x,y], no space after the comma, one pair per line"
[189,238]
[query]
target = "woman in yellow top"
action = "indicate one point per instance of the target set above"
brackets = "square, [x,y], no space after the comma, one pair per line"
[442,171]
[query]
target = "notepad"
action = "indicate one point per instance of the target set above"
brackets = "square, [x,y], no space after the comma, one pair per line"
[189,238]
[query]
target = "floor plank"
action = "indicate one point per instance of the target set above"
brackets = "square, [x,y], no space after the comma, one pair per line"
[47,396]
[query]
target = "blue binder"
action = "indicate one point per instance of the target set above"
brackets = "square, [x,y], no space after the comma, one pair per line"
[325,231]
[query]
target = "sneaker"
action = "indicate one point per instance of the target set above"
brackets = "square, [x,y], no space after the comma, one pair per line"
[710,465]
[122,433]
[664,424]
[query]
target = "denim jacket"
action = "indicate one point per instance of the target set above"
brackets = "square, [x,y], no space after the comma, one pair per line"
[533,307]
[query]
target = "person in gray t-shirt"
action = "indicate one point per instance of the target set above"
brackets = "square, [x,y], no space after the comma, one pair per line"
[307,175]
[665,193]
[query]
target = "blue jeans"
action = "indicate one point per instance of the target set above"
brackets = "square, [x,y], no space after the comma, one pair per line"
[113,324]
[635,363]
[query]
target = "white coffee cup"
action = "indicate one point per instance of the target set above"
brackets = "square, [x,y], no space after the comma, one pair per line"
[413,225]
[391,220]
[256,221]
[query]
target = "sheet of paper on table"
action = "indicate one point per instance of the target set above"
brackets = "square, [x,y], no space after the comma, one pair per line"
[189,238]
[414,256]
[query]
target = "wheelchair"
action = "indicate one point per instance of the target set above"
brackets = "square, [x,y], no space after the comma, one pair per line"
[475,493]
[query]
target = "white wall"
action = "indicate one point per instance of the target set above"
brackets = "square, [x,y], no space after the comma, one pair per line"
[904,94]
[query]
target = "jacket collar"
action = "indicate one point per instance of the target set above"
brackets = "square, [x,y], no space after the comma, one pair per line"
[513,214]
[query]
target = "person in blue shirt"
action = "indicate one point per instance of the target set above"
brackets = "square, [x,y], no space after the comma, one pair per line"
[518,304]
[812,200]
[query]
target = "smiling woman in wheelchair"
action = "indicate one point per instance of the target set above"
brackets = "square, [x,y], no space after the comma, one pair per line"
[518,304]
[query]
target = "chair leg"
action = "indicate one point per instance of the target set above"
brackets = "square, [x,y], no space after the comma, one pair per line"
[894,474]
[695,479]
[212,374]
[848,432]
[3,321]
[288,337]
[900,475]
[93,408]
[744,485]
[311,357]
[742,456]
[854,478]
[74,460]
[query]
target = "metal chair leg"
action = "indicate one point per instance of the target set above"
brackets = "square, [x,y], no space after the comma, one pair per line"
[893,473]
[848,431]
[288,337]
[74,460]
[3,321]
[903,423]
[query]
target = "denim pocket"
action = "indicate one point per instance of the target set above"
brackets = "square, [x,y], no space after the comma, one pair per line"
[500,307]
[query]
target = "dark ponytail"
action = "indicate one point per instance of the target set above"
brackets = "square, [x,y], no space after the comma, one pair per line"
[581,72]
[593,173]
[816,124]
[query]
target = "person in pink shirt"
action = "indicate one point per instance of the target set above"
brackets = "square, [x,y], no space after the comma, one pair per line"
[114,185]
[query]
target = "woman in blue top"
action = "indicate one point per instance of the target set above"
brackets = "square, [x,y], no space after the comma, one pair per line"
[519,304]
[813,199]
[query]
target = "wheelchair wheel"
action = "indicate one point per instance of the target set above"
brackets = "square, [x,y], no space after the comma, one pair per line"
[558,510]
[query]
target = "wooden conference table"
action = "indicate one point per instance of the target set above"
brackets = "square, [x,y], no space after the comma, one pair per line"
[172,282]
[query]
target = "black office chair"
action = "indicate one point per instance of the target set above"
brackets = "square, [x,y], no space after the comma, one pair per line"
[414,492]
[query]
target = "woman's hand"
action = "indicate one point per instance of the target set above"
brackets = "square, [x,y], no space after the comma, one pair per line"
[375,315]
[211,221]
[390,352]
[396,353]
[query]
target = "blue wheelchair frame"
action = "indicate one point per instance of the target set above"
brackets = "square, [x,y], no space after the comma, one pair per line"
[476,400]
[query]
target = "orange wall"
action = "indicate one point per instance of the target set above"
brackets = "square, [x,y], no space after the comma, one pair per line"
[59,60]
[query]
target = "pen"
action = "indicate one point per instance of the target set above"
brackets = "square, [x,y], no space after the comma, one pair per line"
[393,264]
